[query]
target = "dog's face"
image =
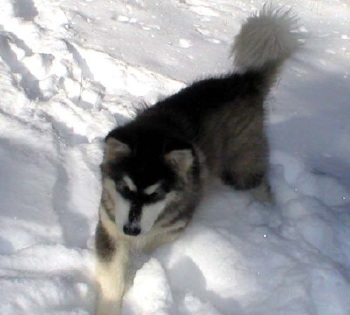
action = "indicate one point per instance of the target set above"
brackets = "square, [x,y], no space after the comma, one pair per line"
[142,182]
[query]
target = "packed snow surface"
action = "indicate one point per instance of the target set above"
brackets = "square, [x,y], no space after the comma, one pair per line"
[71,70]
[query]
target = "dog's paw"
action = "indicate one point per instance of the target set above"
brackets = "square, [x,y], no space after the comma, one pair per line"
[240,182]
[105,307]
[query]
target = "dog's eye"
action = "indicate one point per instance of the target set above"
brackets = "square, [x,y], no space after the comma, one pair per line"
[124,189]
[156,195]
[153,195]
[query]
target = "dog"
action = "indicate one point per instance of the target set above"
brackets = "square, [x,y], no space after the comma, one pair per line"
[156,166]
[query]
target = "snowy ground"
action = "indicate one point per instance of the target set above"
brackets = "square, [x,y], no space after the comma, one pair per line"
[70,70]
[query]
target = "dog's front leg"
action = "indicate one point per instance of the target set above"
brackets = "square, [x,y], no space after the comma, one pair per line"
[111,269]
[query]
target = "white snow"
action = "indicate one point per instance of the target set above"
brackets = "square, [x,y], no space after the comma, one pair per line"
[71,70]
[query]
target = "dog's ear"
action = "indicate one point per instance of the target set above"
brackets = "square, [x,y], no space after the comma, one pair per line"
[180,160]
[115,150]
[178,154]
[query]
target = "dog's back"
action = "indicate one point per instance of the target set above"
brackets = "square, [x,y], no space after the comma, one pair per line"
[224,116]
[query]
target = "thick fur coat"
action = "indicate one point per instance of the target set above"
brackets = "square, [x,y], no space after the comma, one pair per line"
[155,167]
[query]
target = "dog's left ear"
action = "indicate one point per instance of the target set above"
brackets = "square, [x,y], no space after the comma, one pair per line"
[114,150]
[181,160]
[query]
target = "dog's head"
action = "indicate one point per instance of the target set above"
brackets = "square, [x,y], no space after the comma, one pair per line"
[143,177]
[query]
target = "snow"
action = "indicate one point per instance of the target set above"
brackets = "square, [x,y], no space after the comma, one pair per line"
[71,70]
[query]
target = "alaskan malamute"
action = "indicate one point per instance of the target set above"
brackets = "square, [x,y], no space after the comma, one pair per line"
[155,167]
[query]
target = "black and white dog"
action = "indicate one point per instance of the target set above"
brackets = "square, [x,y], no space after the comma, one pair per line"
[155,167]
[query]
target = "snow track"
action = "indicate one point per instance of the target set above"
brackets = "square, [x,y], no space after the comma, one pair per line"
[72,70]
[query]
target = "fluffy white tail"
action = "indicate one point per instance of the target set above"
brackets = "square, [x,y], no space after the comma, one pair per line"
[266,38]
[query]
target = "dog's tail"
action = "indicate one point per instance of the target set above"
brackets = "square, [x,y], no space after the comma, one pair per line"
[265,41]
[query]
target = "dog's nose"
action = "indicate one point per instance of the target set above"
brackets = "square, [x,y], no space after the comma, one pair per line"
[128,229]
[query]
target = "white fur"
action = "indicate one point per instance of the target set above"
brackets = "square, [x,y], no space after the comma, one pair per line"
[150,213]
[268,36]
[151,189]
[129,183]
[122,206]
[122,209]
[111,277]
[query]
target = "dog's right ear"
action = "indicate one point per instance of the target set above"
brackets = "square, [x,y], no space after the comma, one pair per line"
[114,150]
[180,160]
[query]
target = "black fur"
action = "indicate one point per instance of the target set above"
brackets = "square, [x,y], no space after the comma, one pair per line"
[184,117]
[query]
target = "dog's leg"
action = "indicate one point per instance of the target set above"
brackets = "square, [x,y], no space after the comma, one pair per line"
[164,235]
[245,152]
[111,269]
[263,192]
[247,168]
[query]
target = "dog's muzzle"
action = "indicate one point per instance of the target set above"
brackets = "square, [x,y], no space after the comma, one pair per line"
[131,229]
